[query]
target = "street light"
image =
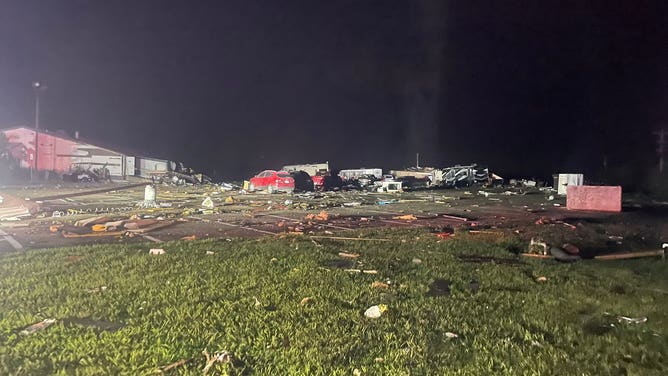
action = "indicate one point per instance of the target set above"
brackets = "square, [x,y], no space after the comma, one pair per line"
[37,87]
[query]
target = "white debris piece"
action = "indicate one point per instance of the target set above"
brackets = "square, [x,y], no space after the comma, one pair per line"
[375,311]
[37,327]
[207,203]
[156,251]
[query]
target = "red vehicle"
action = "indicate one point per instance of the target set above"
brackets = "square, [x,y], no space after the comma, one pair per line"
[318,182]
[272,181]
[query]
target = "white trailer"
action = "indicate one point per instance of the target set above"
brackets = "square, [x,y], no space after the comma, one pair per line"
[312,169]
[352,174]
[562,181]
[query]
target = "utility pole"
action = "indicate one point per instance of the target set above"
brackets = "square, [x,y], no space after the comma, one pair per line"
[661,140]
[417,160]
[37,87]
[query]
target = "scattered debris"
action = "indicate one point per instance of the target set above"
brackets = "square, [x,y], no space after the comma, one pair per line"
[379,285]
[349,255]
[389,186]
[631,320]
[172,366]
[541,279]
[99,228]
[189,237]
[407,217]
[571,249]
[537,246]
[416,261]
[322,216]
[623,256]
[572,227]
[375,311]
[156,226]
[451,335]
[306,301]
[156,251]
[210,252]
[207,203]
[560,255]
[93,221]
[536,255]
[485,232]
[37,327]
[218,357]
[367,271]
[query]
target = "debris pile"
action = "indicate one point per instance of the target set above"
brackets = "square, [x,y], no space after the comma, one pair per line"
[107,226]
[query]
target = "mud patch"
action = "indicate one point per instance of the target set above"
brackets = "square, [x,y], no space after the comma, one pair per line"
[339,264]
[440,287]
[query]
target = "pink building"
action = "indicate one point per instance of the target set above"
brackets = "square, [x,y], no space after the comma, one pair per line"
[60,154]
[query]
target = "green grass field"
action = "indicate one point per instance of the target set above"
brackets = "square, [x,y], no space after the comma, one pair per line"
[247,299]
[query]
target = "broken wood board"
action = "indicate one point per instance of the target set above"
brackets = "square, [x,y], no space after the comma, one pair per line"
[631,255]
[68,234]
[157,226]
[93,221]
[137,224]
[536,255]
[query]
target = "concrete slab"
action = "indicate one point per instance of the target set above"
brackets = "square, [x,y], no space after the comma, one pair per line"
[594,198]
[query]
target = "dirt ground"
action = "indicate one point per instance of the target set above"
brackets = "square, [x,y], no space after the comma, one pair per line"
[500,211]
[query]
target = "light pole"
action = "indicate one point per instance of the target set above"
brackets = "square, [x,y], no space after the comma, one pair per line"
[37,87]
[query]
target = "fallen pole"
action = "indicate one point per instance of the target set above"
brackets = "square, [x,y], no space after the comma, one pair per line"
[631,255]
[454,217]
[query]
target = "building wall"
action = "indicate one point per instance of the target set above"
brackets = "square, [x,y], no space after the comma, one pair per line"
[62,155]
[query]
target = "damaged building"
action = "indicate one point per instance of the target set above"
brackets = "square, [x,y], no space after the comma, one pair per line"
[48,153]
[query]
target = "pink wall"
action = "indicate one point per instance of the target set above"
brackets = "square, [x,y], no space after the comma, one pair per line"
[595,198]
[54,152]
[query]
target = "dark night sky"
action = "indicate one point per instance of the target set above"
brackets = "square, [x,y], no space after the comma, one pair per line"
[527,87]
